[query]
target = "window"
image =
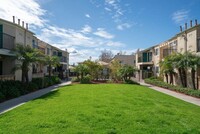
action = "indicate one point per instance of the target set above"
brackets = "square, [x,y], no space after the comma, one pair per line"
[48,51]
[156,51]
[198,45]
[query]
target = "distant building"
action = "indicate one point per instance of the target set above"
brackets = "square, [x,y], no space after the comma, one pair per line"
[125,59]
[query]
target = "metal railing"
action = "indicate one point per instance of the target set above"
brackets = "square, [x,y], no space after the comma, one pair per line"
[7,77]
[167,52]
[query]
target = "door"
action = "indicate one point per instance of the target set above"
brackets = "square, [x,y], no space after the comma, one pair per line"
[1,36]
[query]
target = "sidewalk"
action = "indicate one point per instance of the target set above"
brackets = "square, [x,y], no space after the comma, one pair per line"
[181,96]
[13,103]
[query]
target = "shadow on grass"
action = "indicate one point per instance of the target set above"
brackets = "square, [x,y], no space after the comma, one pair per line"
[51,95]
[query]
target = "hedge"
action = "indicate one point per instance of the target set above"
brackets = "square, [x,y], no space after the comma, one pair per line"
[159,83]
[10,89]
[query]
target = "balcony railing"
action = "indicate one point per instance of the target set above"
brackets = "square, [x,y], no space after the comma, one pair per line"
[7,41]
[7,77]
[167,52]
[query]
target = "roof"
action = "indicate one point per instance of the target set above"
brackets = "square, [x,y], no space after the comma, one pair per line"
[14,24]
[103,63]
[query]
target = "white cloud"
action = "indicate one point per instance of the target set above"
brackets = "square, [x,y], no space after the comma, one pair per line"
[107,9]
[180,16]
[123,26]
[81,43]
[86,29]
[87,15]
[28,11]
[104,34]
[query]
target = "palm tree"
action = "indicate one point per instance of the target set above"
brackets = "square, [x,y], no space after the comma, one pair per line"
[51,61]
[167,68]
[180,62]
[26,55]
[193,63]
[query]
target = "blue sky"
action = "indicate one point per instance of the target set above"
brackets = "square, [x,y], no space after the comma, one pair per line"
[86,27]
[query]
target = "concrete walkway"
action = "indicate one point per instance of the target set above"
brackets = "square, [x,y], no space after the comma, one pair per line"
[13,103]
[181,96]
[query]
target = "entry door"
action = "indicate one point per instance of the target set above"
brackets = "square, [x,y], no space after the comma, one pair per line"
[1,36]
[1,67]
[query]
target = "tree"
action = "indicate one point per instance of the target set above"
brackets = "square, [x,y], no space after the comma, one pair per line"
[81,69]
[126,72]
[193,63]
[51,61]
[94,68]
[115,66]
[26,55]
[106,56]
[167,68]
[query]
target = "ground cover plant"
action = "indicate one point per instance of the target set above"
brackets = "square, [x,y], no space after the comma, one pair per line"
[104,109]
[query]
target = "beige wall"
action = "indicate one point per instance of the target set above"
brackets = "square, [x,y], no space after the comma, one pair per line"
[126,59]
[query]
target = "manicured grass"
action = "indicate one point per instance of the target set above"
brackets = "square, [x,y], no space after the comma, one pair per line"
[104,109]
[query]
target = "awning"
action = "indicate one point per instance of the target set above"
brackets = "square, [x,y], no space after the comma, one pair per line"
[6,52]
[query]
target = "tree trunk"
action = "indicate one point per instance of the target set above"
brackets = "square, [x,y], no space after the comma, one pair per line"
[23,78]
[184,77]
[171,78]
[166,76]
[26,77]
[181,76]
[49,70]
[193,78]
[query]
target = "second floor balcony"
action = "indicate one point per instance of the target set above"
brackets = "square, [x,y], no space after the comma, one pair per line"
[7,41]
[168,51]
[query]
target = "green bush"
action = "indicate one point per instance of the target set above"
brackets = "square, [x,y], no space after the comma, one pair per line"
[39,82]
[12,92]
[131,82]
[46,81]
[75,79]
[2,96]
[187,91]
[86,79]
[31,87]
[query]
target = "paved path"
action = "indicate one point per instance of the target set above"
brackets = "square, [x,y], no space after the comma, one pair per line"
[13,103]
[181,96]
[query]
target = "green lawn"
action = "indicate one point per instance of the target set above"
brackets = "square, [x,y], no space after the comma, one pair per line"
[104,109]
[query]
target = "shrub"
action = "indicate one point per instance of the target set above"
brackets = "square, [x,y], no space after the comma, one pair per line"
[12,92]
[131,82]
[187,91]
[31,87]
[46,81]
[86,79]
[75,79]
[39,82]
[2,97]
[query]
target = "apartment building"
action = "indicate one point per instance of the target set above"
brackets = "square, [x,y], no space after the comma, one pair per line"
[12,33]
[17,32]
[145,62]
[188,39]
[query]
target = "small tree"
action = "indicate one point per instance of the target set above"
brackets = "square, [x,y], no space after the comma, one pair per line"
[81,69]
[115,66]
[126,72]
[51,61]
[94,68]
[26,55]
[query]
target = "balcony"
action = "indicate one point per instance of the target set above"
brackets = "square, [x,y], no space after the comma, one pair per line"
[167,52]
[7,41]
[7,77]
